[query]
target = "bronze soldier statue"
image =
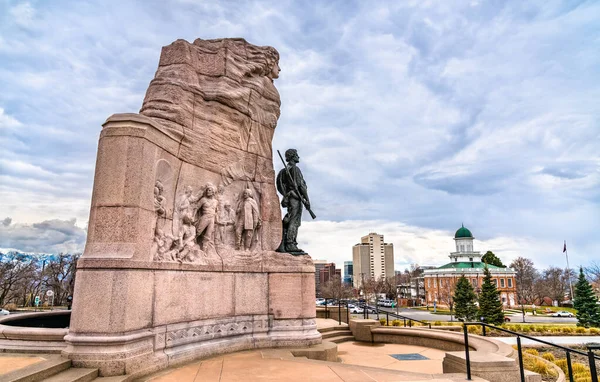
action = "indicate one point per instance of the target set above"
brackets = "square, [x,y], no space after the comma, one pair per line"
[291,185]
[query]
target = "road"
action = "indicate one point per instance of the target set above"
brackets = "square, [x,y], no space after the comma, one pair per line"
[558,340]
[428,316]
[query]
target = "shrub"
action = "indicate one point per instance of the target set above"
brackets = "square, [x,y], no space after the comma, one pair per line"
[567,329]
[556,330]
[582,377]
[437,323]
[11,307]
[594,331]
[562,363]
[383,321]
[396,323]
[532,352]
[579,368]
[548,357]
[474,329]
[540,328]
[580,330]
[541,367]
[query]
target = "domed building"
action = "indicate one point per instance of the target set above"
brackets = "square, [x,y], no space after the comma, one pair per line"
[440,282]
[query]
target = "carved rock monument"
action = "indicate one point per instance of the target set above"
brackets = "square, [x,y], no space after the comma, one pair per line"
[180,258]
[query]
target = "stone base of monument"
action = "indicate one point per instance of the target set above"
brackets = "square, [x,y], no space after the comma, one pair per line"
[136,321]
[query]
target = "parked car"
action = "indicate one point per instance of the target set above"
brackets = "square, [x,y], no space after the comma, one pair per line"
[563,313]
[4,312]
[369,309]
[356,310]
[506,319]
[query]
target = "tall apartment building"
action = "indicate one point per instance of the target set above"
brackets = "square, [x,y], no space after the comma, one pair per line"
[372,258]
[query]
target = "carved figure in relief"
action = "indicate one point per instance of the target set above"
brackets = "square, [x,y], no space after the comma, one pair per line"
[159,206]
[248,220]
[207,212]
[225,223]
[183,206]
[159,199]
[188,246]
[163,247]
[291,185]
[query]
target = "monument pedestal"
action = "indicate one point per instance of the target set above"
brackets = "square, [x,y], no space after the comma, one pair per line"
[138,318]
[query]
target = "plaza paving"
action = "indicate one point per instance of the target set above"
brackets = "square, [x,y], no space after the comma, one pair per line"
[276,365]
[11,362]
[359,361]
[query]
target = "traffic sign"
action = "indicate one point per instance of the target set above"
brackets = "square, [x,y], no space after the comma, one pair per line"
[49,293]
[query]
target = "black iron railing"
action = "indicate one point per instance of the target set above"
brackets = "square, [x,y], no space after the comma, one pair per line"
[366,309]
[340,304]
[590,353]
[404,319]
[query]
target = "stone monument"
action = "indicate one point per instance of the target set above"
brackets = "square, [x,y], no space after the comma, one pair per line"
[180,258]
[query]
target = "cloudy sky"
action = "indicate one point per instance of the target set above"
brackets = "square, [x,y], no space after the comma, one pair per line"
[410,117]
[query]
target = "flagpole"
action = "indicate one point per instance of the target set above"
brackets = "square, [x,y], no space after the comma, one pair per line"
[569,271]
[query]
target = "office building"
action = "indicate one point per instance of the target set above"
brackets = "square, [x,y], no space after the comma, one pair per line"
[372,258]
[348,272]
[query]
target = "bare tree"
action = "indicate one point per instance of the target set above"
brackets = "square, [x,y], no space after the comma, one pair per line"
[369,288]
[14,268]
[60,274]
[22,277]
[554,283]
[592,273]
[335,288]
[388,286]
[446,293]
[525,279]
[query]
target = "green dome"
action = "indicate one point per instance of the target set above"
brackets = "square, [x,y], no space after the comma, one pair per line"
[462,232]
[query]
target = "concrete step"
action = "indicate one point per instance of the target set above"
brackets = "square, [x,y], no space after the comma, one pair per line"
[74,375]
[39,371]
[340,339]
[333,328]
[336,333]
[118,378]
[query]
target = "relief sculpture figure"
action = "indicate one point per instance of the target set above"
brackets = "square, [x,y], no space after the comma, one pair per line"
[182,207]
[292,187]
[207,212]
[159,206]
[248,221]
[225,222]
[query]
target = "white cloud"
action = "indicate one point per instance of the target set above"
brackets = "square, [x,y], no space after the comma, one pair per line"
[23,14]
[50,236]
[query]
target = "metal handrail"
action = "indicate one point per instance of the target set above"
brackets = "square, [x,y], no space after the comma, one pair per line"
[590,354]
[410,320]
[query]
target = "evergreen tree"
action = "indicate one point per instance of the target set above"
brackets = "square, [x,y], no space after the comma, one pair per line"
[464,300]
[490,306]
[491,258]
[586,303]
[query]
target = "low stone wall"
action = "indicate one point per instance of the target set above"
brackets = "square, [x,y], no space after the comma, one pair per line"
[490,359]
[27,339]
[334,313]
